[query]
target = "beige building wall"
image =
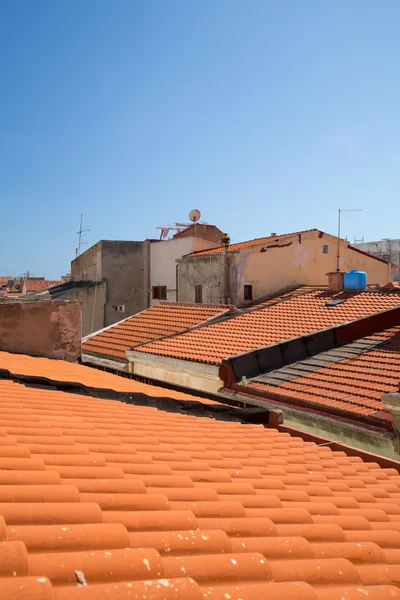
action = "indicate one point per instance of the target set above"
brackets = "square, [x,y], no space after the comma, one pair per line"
[301,259]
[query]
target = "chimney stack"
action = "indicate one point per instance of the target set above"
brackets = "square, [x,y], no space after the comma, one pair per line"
[336,281]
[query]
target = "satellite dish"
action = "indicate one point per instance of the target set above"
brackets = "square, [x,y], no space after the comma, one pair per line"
[194,215]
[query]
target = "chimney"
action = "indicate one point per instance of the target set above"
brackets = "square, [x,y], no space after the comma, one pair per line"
[225,241]
[336,281]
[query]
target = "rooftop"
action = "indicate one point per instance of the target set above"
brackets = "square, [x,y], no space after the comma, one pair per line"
[162,320]
[348,381]
[274,322]
[105,499]
[36,285]
[256,242]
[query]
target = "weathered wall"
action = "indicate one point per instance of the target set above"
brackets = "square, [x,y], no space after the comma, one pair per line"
[202,231]
[294,260]
[210,272]
[125,268]
[87,266]
[163,261]
[386,249]
[50,328]
[197,376]
[93,302]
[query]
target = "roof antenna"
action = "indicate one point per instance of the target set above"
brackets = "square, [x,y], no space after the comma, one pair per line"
[80,243]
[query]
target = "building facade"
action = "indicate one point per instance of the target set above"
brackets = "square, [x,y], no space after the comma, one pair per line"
[164,254]
[124,266]
[240,273]
[386,249]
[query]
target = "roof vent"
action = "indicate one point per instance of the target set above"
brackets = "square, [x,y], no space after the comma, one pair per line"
[335,302]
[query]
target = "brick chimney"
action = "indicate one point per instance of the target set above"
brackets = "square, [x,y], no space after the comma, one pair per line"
[336,281]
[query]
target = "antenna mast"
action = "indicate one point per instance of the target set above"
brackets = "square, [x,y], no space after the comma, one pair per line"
[80,243]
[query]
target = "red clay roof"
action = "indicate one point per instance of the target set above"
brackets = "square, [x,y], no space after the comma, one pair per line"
[352,387]
[273,323]
[249,243]
[163,319]
[102,499]
[58,370]
[38,285]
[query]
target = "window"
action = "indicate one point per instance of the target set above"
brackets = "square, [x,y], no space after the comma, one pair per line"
[248,292]
[325,248]
[198,293]
[159,292]
[119,307]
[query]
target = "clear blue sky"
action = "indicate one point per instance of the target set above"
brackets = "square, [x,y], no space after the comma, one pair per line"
[265,115]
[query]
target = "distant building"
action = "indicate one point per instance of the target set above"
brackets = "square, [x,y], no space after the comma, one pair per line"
[386,249]
[122,270]
[241,273]
[163,256]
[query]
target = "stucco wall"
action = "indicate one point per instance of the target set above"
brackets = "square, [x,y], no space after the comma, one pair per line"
[387,249]
[295,260]
[163,261]
[208,271]
[93,301]
[125,267]
[50,328]
[87,266]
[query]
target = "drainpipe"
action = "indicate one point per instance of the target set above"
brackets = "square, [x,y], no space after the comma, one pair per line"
[148,274]
[225,246]
[177,281]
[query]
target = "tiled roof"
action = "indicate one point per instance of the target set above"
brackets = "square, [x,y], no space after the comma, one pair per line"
[349,381]
[62,371]
[249,243]
[163,319]
[102,499]
[36,285]
[273,323]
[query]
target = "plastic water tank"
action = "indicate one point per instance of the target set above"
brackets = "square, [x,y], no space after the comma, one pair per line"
[355,280]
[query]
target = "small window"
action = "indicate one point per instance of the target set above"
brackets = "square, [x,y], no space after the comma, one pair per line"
[325,248]
[248,292]
[198,293]
[159,292]
[119,307]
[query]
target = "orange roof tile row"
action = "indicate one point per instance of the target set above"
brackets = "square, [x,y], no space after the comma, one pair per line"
[58,370]
[353,386]
[38,285]
[163,319]
[249,243]
[273,323]
[101,499]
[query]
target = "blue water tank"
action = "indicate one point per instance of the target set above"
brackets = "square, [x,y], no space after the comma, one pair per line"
[355,280]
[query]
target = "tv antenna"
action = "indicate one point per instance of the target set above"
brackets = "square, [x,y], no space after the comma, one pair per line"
[80,243]
[340,211]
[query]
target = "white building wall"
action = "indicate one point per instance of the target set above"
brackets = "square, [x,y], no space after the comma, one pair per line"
[163,256]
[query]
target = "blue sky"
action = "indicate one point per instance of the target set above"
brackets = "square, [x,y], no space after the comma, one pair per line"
[265,115]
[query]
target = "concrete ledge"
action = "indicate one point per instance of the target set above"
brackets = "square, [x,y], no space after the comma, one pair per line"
[194,375]
[370,440]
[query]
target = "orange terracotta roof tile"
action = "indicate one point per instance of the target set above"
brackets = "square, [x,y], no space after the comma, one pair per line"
[61,371]
[38,285]
[163,319]
[275,322]
[249,243]
[352,386]
[103,499]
